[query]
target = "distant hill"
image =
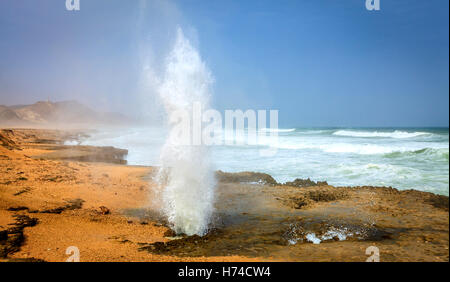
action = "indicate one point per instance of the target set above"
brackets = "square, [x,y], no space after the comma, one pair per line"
[66,112]
[8,115]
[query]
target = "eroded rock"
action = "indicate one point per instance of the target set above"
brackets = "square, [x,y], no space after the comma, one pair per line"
[245,177]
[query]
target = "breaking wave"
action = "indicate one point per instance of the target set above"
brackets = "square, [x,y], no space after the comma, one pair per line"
[277,130]
[374,134]
[364,149]
[438,154]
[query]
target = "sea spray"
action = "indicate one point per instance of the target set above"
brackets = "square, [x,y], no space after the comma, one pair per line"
[185,175]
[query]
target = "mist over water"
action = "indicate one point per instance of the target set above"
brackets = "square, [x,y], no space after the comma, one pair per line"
[185,175]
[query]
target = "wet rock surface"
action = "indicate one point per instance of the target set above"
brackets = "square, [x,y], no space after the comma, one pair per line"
[12,238]
[245,177]
[333,224]
[87,154]
[71,205]
[269,239]
[251,177]
[439,201]
[305,183]
[320,231]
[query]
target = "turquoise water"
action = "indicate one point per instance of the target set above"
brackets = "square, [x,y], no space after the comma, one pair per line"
[404,158]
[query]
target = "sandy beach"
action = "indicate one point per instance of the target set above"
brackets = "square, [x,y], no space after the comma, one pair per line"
[54,196]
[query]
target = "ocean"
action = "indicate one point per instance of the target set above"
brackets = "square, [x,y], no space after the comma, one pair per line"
[404,158]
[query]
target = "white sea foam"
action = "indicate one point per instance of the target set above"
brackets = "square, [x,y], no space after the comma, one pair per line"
[336,233]
[185,175]
[368,134]
[340,233]
[277,130]
[350,147]
[311,237]
[361,149]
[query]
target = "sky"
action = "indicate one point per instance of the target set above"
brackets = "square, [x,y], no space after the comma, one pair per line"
[318,62]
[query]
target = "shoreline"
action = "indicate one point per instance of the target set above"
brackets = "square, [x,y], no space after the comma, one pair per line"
[35,178]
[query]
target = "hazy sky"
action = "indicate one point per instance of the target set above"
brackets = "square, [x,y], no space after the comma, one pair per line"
[319,62]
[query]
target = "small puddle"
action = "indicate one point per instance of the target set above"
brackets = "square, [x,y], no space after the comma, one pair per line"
[320,231]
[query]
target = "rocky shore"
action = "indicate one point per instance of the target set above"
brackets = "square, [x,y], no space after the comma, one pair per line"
[54,196]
